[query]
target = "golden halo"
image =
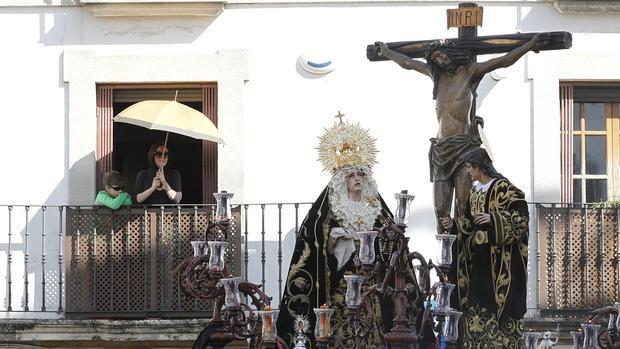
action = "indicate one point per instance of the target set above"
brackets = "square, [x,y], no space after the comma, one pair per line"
[346,145]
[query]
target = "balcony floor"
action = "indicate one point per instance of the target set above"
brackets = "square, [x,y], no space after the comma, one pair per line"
[156,333]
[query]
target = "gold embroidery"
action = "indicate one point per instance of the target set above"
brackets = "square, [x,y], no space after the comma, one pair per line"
[481,237]
[475,324]
[484,330]
[507,241]
[295,268]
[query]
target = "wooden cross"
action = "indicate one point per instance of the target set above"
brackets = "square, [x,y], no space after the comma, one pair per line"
[478,45]
[467,18]
[460,84]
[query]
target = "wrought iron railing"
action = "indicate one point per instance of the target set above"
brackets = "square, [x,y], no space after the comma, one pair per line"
[32,263]
[89,261]
[578,255]
[122,263]
[85,261]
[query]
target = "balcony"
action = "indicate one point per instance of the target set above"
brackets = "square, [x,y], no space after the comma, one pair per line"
[578,255]
[84,274]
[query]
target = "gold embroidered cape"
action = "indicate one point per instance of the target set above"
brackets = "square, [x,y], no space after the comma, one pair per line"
[491,267]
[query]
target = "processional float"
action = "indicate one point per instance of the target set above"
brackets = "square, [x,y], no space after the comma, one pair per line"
[402,335]
[206,276]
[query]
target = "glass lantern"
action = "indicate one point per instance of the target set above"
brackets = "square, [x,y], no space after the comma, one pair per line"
[199,248]
[422,274]
[531,339]
[450,330]
[367,246]
[222,211]
[613,318]
[445,249]
[616,325]
[403,206]
[353,297]
[444,290]
[323,317]
[231,289]
[217,253]
[577,339]
[269,318]
[589,336]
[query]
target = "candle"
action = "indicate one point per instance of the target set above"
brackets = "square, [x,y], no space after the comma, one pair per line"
[322,326]
[268,324]
[402,206]
[324,320]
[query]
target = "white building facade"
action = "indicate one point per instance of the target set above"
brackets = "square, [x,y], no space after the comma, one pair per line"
[58,54]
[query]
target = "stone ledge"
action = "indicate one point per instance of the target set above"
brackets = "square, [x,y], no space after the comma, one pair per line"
[60,330]
[136,8]
[50,3]
[556,325]
[156,333]
[602,7]
[150,2]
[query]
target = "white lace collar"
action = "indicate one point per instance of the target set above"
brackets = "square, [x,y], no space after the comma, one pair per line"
[483,187]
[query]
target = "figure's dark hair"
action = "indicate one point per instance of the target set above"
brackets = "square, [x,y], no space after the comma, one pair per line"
[151,154]
[458,57]
[113,178]
[480,158]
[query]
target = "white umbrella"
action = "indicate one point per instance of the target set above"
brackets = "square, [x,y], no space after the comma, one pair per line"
[170,116]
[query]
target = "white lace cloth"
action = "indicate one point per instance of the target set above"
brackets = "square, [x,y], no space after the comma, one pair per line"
[344,246]
[353,216]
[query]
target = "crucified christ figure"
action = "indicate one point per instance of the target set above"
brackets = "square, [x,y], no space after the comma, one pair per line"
[456,77]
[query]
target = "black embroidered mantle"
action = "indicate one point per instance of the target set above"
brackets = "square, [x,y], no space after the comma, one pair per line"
[313,279]
[491,266]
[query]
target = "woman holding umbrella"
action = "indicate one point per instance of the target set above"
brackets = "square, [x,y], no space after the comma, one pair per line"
[158,185]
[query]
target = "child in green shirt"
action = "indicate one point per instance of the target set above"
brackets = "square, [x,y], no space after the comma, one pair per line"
[113,196]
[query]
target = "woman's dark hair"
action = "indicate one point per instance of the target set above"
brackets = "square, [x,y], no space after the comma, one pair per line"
[480,158]
[113,178]
[151,154]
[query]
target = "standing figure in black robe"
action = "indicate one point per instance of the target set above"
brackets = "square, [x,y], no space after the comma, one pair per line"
[490,264]
[326,247]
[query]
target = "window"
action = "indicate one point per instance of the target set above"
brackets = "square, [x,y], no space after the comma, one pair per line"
[123,147]
[595,143]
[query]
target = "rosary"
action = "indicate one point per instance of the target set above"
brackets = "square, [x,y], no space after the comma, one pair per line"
[385,257]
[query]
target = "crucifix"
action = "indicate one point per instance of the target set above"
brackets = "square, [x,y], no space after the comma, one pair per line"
[452,66]
[339,116]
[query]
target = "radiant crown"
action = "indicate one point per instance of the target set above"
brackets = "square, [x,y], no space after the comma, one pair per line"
[346,145]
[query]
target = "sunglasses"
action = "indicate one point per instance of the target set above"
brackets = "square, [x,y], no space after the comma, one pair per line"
[117,187]
[160,154]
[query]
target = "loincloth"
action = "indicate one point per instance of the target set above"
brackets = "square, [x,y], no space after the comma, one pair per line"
[445,155]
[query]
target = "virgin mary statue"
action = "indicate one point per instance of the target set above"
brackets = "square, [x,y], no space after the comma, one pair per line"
[326,247]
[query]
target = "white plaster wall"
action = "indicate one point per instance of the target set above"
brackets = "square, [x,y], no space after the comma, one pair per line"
[33,96]
[48,135]
[34,142]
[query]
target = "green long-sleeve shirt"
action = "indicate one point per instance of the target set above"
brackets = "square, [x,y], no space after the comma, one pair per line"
[103,198]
